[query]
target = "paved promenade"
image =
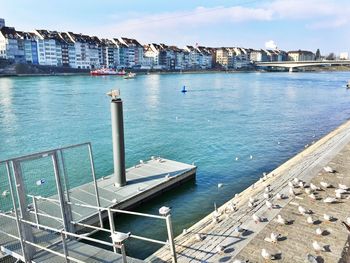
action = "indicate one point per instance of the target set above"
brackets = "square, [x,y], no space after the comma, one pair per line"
[220,241]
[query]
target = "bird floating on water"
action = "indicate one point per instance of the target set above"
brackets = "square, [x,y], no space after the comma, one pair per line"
[251,157]
[220,185]
[236,159]
[329,169]
[5,193]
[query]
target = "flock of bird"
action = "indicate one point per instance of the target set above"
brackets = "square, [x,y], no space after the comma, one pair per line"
[296,187]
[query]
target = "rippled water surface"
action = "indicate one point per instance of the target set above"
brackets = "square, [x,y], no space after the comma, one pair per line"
[221,117]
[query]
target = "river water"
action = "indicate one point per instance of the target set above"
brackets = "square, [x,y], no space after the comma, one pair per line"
[221,122]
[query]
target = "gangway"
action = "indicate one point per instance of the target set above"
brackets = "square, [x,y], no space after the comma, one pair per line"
[42,221]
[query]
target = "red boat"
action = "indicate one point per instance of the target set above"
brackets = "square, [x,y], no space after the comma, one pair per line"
[106,71]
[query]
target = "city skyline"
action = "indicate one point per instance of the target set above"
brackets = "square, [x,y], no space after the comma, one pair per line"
[289,25]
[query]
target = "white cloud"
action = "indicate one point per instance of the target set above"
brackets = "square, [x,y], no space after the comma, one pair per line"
[270,44]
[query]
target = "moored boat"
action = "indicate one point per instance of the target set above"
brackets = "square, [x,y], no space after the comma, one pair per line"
[130,75]
[106,71]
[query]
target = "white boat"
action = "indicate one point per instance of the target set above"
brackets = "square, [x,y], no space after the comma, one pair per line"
[130,75]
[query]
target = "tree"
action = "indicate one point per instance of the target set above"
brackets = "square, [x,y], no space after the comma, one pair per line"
[318,54]
[331,56]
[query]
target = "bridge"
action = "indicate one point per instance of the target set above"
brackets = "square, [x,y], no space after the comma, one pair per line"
[297,64]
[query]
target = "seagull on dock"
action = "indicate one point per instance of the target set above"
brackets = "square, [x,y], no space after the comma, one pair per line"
[291,191]
[317,247]
[329,200]
[239,230]
[312,196]
[309,220]
[308,191]
[325,185]
[251,205]
[280,196]
[256,218]
[314,187]
[219,249]
[301,184]
[327,217]
[338,195]
[266,255]
[311,258]
[252,199]
[319,231]
[273,238]
[302,210]
[267,189]
[280,220]
[199,237]
[231,207]
[343,187]
[269,204]
[290,184]
[266,195]
[329,169]
[296,180]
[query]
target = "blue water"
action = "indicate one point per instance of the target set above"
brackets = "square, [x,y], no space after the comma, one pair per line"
[221,117]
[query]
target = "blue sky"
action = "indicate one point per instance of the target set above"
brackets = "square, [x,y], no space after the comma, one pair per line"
[289,24]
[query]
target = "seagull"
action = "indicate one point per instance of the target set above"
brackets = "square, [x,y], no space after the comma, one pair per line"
[184,231]
[114,200]
[250,205]
[280,196]
[325,185]
[329,200]
[341,191]
[142,162]
[327,217]
[311,258]
[302,210]
[296,180]
[266,255]
[343,187]
[280,220]
[307,191]
[231,207]
[278,142]
[219,248]
[199,237]
[314,187]
[267,189]
[252,199]
[236,159]
[266,195]
[309,220]
[239,230]
[317,247]
[273,238]
[338,195]
[301,184]
[329,169]
[251,157]
[5,193]
[269,204]
[290,184]
[291,191]
[312,196]
[220,185]
[256,218]
[319,231]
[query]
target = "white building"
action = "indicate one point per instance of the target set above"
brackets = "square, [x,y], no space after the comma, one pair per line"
[344,55]
[10,48]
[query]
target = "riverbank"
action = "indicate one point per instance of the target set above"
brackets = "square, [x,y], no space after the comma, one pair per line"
[297,237]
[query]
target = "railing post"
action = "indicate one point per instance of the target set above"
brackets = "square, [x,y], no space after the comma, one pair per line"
[64,245]
[111,226]
[166,212]
[35,211]
[171,237]
[95,183]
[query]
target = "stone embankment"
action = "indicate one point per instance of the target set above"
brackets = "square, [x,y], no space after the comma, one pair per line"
[219,240]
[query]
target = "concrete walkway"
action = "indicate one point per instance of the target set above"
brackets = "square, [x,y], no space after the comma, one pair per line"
[296,239]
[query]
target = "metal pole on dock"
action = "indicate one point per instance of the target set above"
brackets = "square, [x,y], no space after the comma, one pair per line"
[118,138]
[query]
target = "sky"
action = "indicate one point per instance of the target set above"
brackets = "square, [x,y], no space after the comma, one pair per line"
[285,24]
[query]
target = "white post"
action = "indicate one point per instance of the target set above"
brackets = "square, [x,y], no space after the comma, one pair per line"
[111,226]
[171,237]
[35,211]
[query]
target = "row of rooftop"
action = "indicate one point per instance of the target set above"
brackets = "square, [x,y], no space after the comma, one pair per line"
[68,49]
